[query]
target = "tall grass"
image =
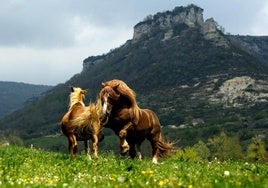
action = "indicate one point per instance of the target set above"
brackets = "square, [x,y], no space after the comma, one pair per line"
[22,167]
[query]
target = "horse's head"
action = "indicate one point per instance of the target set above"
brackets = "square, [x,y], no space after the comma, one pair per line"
[77,95]
[109,98]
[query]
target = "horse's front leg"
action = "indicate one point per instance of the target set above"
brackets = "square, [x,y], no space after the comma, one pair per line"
[95,145]
[87,149]
[124,147]
[139,155]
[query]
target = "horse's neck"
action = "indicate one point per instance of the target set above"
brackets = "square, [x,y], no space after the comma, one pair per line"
[124,103]
[74,99]
[80,103]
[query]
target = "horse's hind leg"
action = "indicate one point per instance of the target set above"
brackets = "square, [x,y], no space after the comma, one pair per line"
[87,149]
[95,145]
[72,145]
[155,150]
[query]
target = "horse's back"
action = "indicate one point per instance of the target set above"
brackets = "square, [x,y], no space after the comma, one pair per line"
[148,120]
[76,110]
[72,113]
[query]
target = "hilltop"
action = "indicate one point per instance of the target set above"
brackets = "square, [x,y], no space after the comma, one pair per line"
[199,80]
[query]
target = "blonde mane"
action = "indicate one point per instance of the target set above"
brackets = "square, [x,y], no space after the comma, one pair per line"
[123,89]
[77,96]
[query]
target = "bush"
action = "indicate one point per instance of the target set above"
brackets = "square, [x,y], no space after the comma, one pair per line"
[256,151]
[224,148]
[202,150]
[188,154]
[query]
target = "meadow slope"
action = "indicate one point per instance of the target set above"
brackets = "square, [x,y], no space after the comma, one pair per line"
[24,167]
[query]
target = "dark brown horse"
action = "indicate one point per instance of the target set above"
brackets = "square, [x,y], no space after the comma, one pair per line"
[82,123]
[132,124]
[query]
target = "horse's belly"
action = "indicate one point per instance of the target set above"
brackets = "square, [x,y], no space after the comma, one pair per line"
[81,136]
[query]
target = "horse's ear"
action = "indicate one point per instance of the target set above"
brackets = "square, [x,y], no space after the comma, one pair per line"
[116,86]
[72,88]
[102,85]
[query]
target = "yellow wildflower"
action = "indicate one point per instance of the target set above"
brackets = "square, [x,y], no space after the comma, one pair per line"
[147,172]
[161,183]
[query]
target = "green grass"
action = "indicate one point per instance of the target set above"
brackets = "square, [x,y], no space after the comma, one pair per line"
[22,167]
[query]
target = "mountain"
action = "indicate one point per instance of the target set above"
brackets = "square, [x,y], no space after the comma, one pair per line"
[197,79]
[14,96]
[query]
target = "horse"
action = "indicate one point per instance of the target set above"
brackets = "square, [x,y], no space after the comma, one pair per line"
[129,122]
[81,123]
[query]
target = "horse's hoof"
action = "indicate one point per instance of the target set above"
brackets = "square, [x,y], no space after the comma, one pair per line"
[123,154]
[124,149]
[122,134]
[154,160]
[139,156]
[89,157]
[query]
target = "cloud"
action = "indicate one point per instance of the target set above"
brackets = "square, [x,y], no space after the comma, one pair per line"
[33,23]
[260,25]
[38,66]
[48,23]
[58,64]
[45,41]
[44,47]
[87,33]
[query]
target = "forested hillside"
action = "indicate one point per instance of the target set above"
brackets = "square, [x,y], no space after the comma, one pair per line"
[198,80]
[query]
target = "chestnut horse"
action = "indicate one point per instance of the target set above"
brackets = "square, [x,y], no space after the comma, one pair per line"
[132,124]
[82,123]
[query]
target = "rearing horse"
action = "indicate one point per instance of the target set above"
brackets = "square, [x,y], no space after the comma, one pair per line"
[82,123]
[129,122]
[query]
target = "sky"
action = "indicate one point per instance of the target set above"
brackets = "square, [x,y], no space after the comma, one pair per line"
[45,41]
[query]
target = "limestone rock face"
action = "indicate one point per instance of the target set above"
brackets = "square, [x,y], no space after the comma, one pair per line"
[191,16]
[91,61]
[140,30]
[241,91]
[210,32]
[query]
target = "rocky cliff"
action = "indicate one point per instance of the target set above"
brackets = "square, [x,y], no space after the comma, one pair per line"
[254,45]
[169,23]
[191,16]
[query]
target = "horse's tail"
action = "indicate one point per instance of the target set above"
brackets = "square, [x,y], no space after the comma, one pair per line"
[165,148]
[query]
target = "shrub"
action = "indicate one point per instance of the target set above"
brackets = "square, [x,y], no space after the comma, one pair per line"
[256,150]
[188,154]
[202,150]
[224,148]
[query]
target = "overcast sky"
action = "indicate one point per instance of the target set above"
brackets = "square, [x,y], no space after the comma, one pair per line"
[45,41]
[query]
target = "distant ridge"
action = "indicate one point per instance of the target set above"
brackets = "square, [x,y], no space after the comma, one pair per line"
[15,95]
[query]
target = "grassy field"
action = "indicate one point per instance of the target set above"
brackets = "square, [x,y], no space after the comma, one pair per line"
[22,167]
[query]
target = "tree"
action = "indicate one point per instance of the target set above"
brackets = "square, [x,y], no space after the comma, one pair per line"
[256,150]
[224,147]
[202,150]
[148,18]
